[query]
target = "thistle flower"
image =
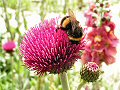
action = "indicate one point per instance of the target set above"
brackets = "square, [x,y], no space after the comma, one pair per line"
[46,50]
[90,72]
[9,46]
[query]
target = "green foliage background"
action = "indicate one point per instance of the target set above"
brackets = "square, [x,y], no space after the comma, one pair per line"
[13,74]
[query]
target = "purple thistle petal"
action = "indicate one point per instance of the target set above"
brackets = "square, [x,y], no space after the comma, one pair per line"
[46,50]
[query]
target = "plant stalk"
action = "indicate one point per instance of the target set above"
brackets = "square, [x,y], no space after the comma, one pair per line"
[6,18]
[81,85]
[18,16]
[40,83]
[12,67]
[64,81]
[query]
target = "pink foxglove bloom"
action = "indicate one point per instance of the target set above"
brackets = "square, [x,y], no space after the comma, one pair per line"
[9,46]
[98,38]
[91,16]
[45,50]
[102,42]
[91,19]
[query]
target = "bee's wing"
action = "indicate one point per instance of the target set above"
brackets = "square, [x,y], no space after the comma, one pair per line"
[73,20]
[71,14]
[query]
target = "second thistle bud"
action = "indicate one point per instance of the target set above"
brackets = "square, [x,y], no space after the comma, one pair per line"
[90,72]
[9,46]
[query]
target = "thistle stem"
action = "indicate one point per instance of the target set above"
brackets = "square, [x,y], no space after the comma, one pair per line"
[12,64]
[40,85]
[18,16]
[64,81]
[6,18]
[39,82]
[81,85]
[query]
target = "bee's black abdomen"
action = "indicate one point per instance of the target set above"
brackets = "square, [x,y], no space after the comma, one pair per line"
[77,33]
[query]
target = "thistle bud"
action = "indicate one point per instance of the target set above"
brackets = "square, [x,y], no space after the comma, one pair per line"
[9,46]
[90,72]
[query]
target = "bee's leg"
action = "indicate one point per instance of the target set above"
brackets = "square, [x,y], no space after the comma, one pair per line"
[57,28]
[74,42]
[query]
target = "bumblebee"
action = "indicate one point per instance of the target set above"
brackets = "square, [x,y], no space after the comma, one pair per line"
[72,28]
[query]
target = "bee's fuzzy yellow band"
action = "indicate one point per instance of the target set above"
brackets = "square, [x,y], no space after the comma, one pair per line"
[75,39]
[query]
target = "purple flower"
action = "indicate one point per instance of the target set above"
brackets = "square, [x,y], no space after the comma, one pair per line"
[46,50]
[9,46]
